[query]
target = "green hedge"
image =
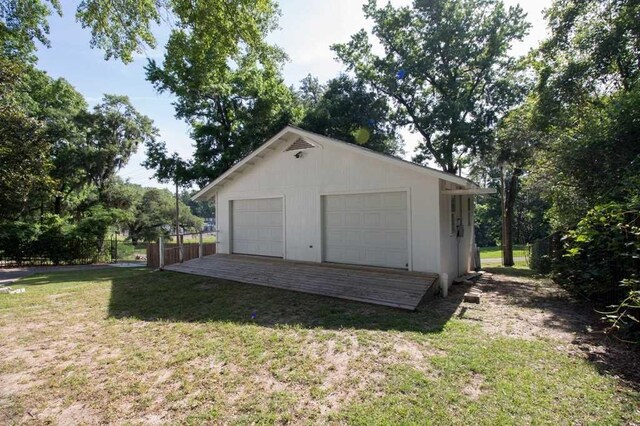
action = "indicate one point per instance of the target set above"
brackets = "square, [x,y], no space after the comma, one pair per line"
[601,261]
[54,241]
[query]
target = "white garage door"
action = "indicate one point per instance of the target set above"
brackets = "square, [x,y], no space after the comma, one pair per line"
[257,227]
[366,229]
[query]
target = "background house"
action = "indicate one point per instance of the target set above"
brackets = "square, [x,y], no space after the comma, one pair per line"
[302,196]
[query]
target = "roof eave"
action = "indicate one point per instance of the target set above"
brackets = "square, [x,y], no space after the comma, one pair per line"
[208,188]
[458,180]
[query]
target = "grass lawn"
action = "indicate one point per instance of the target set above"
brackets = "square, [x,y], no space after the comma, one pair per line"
[496,252]
[492,256]
[134,346]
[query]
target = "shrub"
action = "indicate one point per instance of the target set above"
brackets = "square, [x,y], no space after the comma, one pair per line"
[56,240]
[602,262]
[53,242]
[539,258]
[544,253]
[17,240]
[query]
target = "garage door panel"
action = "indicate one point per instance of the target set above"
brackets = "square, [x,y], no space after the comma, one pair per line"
[352,219]
[395,198]
[372,201]
[335,238]
[366,229]
[376,256]
[396,256]
[395,220]
[374,236]
[396,240]
[349,255]
[269,219]
[334,204]
[353,203]
[335,220]
[257,227]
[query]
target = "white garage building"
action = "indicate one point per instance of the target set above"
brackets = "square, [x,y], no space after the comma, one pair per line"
[305,197]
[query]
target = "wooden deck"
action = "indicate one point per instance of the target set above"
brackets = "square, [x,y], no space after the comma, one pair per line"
[395,288]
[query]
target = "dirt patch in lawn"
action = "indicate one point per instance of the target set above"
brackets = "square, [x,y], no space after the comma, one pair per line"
[536,308]
[473,389]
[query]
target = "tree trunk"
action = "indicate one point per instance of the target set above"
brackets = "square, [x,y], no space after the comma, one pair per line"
[57,204]
[508,201]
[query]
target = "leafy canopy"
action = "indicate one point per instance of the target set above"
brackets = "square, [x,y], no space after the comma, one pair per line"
[445,67]
[150,212]
[587,102]
[23,145]
[347,110]
[114,130]
[22,22]
[124,28]
[227,84]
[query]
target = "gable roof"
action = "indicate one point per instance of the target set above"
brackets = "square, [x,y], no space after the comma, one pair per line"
[249,160]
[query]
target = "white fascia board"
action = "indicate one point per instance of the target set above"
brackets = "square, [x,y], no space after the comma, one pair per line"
[474,191]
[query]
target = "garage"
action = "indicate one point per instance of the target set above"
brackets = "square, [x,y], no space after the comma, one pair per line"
[366,229]
[257,227]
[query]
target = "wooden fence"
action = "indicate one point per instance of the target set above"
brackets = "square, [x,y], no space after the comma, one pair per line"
[172,255]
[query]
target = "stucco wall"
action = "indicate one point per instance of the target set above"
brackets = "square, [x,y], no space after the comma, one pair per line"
[332,169]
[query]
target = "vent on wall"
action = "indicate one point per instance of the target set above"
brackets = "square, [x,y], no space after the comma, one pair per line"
[299,144]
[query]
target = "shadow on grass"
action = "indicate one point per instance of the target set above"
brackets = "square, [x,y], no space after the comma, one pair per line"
[171,296]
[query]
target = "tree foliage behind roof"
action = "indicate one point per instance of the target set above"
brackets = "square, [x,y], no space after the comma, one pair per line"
[346,109]
[227,84]
[446,68]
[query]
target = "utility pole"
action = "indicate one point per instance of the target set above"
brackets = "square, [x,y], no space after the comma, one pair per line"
[178,222]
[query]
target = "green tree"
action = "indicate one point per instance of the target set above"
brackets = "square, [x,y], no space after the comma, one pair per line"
[122,29]
[204,209]
[227,88]
[126,27]
[592,52]
[516,142]
[58,105]
[588,91]
[24,146]
[587,94]
[310,91]
[445,67]
[114,130]
[153,215]
[22,22]
[347,110]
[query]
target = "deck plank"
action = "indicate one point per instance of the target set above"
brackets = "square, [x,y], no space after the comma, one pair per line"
[395,288]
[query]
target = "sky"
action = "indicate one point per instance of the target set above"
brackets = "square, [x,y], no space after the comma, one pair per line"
[307,29]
